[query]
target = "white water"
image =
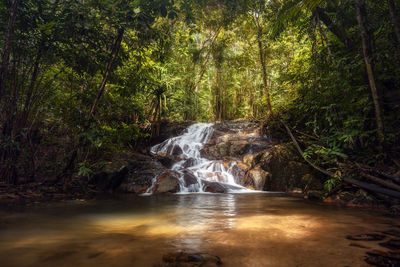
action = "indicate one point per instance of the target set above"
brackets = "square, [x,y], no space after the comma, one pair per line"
[186,148]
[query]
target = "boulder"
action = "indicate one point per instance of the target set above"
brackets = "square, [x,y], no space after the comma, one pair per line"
[238,171]
[287,171]
[189,178]
[213,187]
[253,159]
[216,187]
[256,178]
[167,182]
[190,259]
[127,172]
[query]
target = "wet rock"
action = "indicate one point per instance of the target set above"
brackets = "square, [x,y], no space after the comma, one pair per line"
[189,163]
[384,259]
[366,237]
[286,173]
[395,210]
[189,178]
[315,195]
[238,171]
[175,151]
[253,159]
[391,244]
[127,172]
[140,175]
[166,161]
[353,197]
[167,182]
[169,129]
[213,187]
[191,259]
[392,232]
[255,178]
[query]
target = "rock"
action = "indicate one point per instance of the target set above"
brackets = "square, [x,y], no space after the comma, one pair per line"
[238,171]
[175,151]
[395,210]
[169,129]
[189,163]
[315,195]
[391,244]
[392,232]
[216,187]
[189,178]
[127,172]
[256,178]
[141,172]
[286,172]
[366,237]
[213,187]
[166,161]
[381,258]
[167,182]
[191,259]
[253,159]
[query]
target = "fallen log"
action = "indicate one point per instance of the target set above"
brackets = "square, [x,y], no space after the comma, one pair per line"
[363,185]
[370,169]
[380,181]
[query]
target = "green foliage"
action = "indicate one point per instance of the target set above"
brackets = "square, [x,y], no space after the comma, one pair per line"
[196,60]
[84,170]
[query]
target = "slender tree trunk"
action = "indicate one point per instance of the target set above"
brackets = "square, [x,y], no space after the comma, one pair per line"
[394,18]
[366,45]
[34,76]
[339,32]
[5,59]
[217,96]
[204,66]
[264,72]
[114,55]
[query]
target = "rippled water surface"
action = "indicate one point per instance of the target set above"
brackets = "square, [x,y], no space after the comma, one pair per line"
[242,229]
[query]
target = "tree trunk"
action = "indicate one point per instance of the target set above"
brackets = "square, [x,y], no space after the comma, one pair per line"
[395,21]
[217,96]
[5,59]
[264,72]
[107,72]
[339,32]
[34,76]
[367,52]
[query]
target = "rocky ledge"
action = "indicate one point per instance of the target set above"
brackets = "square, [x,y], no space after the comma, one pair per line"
[256,161]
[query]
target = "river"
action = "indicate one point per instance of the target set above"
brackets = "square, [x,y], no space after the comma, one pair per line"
[254,229]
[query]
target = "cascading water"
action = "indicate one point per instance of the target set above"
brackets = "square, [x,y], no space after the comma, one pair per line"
[186,148]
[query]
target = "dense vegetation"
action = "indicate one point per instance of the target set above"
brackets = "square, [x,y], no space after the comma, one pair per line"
[82,78]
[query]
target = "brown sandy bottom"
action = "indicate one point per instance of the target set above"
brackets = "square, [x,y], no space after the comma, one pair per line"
[241,229]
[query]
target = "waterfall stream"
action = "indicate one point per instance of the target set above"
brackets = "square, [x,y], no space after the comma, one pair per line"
[186,148]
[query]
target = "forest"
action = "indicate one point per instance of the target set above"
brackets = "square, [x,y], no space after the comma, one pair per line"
[81,79]
[199,133]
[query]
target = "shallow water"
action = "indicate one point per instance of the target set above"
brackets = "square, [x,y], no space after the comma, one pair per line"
[260,229]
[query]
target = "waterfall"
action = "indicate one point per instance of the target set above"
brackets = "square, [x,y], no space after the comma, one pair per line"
[186,148]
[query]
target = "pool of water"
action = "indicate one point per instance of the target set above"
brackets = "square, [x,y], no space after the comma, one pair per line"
[261,229]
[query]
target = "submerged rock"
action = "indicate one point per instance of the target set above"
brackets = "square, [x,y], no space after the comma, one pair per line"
[366,237]
[391,244]
[190,259]
[381,258]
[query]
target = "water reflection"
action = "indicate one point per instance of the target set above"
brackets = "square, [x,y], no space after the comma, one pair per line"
[244,230]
